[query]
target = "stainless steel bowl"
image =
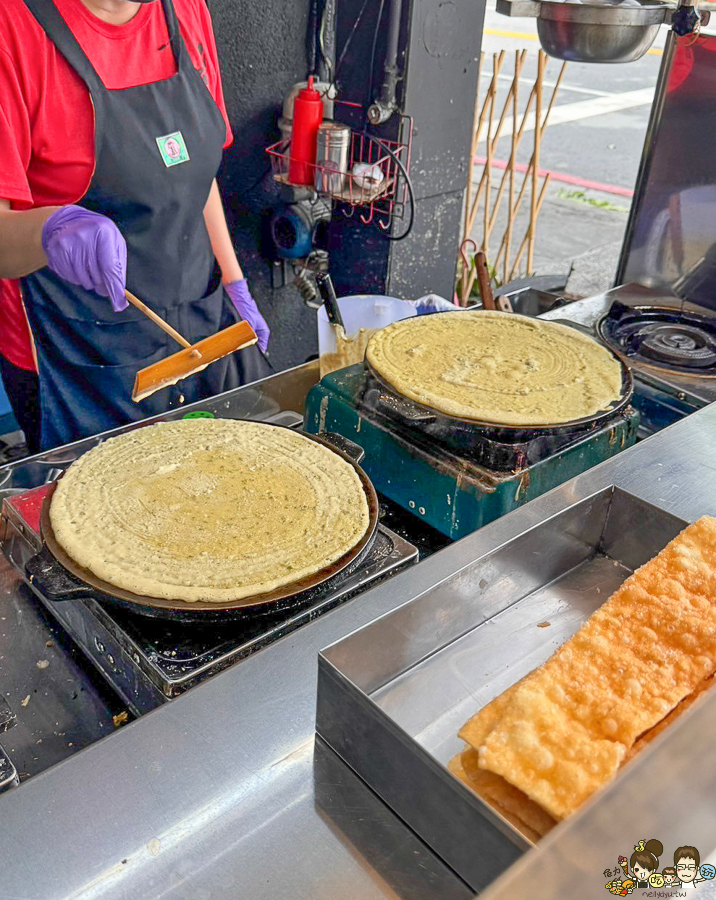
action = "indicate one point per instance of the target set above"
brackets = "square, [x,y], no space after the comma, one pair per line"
[593,31]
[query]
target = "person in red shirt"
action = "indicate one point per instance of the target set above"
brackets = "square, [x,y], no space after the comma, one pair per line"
[112,126]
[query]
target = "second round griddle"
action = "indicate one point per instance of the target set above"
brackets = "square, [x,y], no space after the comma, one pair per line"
[414,412]
[288,596]
[417,412]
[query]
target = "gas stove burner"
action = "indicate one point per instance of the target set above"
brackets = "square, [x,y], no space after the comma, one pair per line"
[667,339]
[677,345]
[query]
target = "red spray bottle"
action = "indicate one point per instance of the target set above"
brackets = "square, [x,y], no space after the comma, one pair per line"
[307,116]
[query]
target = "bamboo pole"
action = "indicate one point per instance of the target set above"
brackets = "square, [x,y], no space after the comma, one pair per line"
[471,165]
[526,240]
[483,177]
[473,147]
[487,171]
[511,193]
[515,210]
[491,218]
[492,90]
[520,195]
[520,132]
[509,175]
[534,196]
[478,131]
[466,268]
[471,280]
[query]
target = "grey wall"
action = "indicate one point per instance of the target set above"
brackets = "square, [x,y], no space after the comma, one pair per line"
[439,57]
[262,50]
[441,82]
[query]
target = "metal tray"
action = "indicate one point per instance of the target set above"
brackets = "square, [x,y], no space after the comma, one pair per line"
[393,695]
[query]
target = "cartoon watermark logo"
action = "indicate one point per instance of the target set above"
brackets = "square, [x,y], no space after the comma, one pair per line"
[640,872]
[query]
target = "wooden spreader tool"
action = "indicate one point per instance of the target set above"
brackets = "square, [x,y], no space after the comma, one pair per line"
[192,359]
[483,279]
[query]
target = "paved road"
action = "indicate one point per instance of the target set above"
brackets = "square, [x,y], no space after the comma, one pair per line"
[592,146]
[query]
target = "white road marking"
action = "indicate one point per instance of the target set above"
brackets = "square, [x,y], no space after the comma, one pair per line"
[586,109]
[549,84]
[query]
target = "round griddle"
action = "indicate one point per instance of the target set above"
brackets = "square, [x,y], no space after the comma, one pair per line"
[291,596]
[416,411]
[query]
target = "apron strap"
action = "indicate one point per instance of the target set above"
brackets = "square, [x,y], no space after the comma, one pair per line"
[175,39]
[58,31]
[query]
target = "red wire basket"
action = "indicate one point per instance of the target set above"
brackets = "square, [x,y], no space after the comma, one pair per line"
[379,188]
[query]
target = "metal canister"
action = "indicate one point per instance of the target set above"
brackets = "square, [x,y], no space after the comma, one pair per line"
[332,151]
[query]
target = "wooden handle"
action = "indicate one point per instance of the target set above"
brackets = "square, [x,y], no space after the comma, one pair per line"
[483,279]
[150,314]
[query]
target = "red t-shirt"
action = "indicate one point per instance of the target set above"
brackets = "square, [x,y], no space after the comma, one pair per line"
[46,117]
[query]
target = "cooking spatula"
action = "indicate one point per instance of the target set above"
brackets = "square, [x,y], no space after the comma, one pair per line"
[192,359]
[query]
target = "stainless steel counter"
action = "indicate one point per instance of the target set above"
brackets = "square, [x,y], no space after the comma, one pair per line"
[60,704]
[223,793]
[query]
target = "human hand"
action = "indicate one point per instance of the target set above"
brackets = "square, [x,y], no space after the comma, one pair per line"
[87,249]
[246,307]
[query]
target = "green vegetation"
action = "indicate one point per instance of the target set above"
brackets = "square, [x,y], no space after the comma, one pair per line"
[583,197]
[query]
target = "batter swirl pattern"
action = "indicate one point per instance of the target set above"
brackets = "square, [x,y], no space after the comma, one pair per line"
[208,509]
[497,368]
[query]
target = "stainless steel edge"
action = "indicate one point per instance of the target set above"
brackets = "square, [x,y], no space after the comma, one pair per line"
[648,14]
[401,771]
[215,795]
[667,792]
[479,591]
[392,696]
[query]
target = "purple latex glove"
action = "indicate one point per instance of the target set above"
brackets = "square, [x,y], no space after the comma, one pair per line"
[87,249]
[246,307]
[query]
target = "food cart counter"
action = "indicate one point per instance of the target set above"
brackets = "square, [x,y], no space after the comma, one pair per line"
[225,791]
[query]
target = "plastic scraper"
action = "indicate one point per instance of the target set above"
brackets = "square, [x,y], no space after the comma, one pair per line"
[192,359]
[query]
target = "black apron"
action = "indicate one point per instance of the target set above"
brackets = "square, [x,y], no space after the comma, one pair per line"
[157,150]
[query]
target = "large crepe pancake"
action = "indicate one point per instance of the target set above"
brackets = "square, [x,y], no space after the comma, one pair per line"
[497,368]
[208,509]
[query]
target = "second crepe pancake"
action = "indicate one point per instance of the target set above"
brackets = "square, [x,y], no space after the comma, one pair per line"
[498,368]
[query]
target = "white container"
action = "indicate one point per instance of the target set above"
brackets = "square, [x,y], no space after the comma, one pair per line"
[367,311]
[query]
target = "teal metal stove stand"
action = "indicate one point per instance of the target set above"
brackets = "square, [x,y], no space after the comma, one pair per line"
[446,489]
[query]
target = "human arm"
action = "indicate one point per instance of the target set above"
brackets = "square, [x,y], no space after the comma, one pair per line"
[221,244]
[21,240]
[80,246]
[231,274]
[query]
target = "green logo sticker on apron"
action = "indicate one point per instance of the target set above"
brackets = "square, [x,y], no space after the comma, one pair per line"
[173,149]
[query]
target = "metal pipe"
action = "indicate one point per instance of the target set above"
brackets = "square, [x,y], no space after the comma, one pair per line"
[385,104]
[327,41]
[312,37]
